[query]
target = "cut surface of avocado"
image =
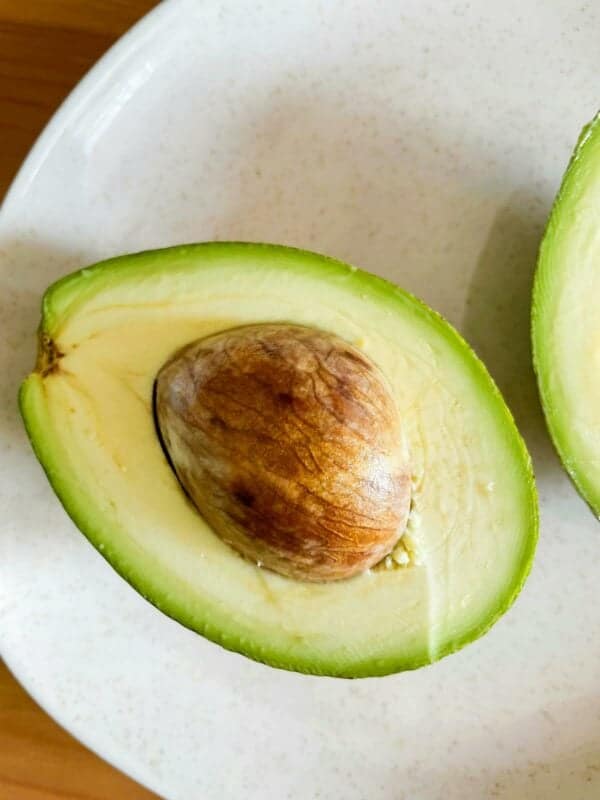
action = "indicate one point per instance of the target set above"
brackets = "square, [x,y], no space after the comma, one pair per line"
[566,318]
[107,331]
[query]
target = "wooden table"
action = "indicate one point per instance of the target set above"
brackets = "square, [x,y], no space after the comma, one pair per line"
[45,47]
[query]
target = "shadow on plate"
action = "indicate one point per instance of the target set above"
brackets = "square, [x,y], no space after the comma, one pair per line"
[497,317]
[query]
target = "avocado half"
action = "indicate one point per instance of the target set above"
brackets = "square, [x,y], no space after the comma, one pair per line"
[566,317]
[105,333]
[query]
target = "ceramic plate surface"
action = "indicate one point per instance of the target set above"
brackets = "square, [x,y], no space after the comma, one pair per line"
[423,142]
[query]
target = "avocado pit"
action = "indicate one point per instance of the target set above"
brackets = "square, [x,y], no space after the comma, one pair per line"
[288,442]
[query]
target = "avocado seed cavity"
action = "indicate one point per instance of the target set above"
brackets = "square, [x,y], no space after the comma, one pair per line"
[288,442]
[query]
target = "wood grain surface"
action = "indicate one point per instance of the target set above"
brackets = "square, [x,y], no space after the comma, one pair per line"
[45,48]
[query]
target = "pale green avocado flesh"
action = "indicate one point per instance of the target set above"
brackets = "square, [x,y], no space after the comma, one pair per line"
[566,318]
[105,333]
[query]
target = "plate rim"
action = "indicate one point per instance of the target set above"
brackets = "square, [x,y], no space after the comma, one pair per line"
[69,105]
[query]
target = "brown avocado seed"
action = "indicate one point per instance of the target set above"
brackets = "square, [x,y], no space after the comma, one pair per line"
[288,441]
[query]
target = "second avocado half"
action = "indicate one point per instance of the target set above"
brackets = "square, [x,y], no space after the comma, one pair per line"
[566,325]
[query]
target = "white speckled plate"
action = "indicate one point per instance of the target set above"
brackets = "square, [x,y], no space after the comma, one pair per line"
[423,141]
